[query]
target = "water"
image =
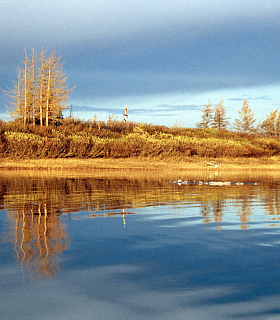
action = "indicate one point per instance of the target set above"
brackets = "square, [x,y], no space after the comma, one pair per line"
[134,246]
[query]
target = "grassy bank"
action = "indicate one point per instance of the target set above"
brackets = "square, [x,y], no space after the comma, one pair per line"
[140,163]
[117,145]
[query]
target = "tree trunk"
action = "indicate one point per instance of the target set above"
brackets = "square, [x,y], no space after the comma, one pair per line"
[25,92]
[48,96]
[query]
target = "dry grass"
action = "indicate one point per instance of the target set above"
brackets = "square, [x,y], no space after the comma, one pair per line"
[139,163]
[116,140]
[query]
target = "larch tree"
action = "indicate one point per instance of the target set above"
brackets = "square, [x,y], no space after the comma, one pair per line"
[246,120]
[20,102]
[57,92]
[220,119]
[40,94]
[33,86]
[271,125]
[207,117]
[277,125]
[15,97]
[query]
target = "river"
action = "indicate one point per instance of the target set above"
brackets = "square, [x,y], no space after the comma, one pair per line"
[133,245]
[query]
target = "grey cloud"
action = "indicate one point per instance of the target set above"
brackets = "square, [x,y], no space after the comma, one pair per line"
[77,108]
[166,46]
[69,20]
[229,59]
[265,98]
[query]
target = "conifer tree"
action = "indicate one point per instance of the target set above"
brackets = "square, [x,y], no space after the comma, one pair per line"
[246,120]
[271,125]
[207,117]
[40,94]
[220,119]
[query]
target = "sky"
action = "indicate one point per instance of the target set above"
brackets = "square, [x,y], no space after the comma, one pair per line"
[164,59]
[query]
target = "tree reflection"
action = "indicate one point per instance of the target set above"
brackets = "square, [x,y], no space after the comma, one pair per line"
[218,212]
[38,206]
[245,212]
[39,238]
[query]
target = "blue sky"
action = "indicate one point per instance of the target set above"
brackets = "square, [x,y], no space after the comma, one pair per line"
[163,59]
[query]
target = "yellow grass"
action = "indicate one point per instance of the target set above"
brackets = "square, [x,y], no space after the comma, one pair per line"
[143,164]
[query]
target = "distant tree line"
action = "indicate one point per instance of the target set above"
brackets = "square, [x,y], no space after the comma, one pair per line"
[216,117]
[40,93]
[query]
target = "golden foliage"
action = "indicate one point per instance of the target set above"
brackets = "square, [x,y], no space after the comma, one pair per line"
[118,140]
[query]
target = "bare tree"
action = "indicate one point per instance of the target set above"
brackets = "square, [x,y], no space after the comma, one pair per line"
[33,86]
[15,97]
[246,120]
[40,94]
[52,91]
[207,117]
[41,84]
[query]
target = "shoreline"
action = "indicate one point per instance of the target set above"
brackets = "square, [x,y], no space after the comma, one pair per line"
[141,164]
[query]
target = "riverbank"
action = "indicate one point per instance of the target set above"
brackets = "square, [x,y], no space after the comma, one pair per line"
[144,164]
[116,140]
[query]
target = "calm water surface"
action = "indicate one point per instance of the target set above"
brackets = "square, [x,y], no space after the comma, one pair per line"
[134,246]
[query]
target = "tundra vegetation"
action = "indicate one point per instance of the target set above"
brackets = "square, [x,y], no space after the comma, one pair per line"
[38,129]
[117,139]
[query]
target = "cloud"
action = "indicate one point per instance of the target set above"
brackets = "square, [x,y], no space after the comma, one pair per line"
[265,98]
[137,110]
[106,20]
[76,108]
[167,107]
[124,46]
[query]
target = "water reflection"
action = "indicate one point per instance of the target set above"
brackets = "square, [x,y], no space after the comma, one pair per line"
[39,237]
[38,207]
